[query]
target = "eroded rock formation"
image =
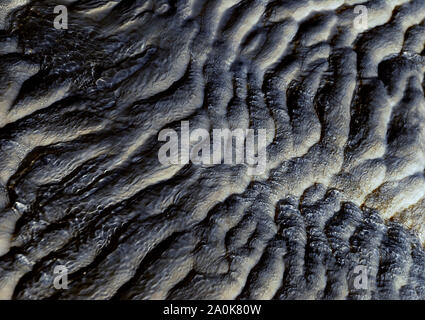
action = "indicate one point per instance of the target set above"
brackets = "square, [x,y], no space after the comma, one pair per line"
[81,184]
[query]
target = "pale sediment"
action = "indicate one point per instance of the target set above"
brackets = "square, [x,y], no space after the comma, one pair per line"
[81,184]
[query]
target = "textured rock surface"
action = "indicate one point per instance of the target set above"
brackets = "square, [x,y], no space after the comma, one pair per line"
[80,180]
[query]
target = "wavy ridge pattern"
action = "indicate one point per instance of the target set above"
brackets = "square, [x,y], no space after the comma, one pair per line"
[81,184]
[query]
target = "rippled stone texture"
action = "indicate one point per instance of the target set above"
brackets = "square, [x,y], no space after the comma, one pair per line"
[80,180]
